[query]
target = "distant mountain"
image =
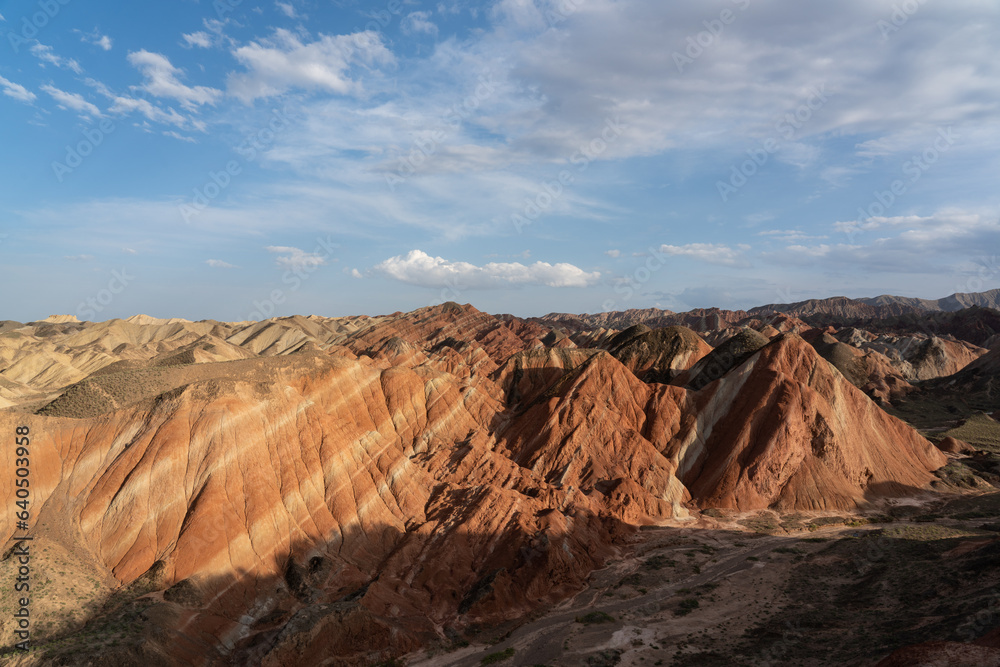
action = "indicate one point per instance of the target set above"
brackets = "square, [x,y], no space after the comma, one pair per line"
[700,319]
[976,325]
[959,301]
[882,306]
[834,310]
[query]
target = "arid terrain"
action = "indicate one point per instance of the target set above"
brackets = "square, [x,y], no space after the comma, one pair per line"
[802,484]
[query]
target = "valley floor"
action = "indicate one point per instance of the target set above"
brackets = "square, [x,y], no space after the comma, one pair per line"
[765,589]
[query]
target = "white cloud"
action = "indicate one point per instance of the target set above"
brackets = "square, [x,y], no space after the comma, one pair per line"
[286,9]
[219,264]
[162,81]
[123,105]
[418,22]
[46,54]
[354,273]
[788,235]
[755,219]
[99,87]
[613,58]
[95,38]
[200,38]
[709,252]
[936,243]
[853,227]
[798,154]
[282,62]
[17,91]
[179,136]
[519,14]
[419,268]
[839,176]
[79,258]
[73,101]
[295,258]
[613,253]
[129,251]
[205,39]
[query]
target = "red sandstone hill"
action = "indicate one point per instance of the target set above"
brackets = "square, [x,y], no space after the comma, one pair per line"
[361,489]
[785,429]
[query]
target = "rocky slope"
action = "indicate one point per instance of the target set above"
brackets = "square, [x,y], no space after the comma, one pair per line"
[268,493]
[784,429]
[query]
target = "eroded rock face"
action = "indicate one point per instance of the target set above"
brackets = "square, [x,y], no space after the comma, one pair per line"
[658,355]
[274,498]
[726,356]
[786,430]
[952,445]
[870,371]
[914,357]
[365,491]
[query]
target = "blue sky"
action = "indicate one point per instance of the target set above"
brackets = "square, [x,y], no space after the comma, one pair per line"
[238,159]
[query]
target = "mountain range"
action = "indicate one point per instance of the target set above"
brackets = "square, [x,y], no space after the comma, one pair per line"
[419,486]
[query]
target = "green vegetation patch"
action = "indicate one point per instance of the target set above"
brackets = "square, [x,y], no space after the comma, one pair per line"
[658,562]
[595,617]
[686,606]
[762,523]
[926,533]
[980,431]
[499,656]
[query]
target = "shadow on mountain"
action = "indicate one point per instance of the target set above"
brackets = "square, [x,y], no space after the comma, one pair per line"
[850,598]
[369,594]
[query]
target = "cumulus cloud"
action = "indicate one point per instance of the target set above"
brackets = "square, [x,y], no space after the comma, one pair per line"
[286,9]
[295,259]
[162,81]
[219,264]
[17,91]
[46,54]
[419,268]
[711,253]
[613,253]
[282,62]
[72,101]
